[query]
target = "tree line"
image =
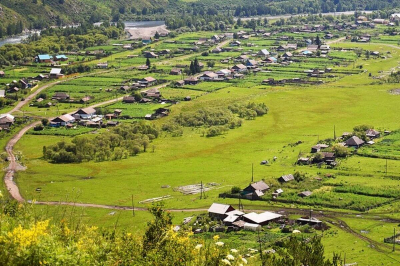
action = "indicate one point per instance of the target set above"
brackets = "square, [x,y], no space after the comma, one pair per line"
[118,143]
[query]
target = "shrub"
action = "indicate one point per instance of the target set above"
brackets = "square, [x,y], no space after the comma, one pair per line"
[38,128]
[235,190]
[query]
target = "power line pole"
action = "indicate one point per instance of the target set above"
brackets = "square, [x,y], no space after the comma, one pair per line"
[394,239]
[133,207]
[386,165]
[334,131]
[252,172]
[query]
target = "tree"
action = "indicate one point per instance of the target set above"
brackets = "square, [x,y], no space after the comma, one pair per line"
[340,151]
[192,69]
[148,62]
[299,176]
[210,63]
[318,41]
[298,252]
[45,122]
[157,35]
[157,228]
[196,64]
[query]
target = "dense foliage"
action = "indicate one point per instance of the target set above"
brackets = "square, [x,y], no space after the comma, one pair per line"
[115,144]
[54,41]
[31,238]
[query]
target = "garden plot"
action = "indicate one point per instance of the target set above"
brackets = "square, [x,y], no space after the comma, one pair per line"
[156,199]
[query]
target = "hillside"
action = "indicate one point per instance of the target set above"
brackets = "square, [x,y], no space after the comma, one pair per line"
[40,13]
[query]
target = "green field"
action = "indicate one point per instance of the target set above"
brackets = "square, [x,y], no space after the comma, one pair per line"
[299,116]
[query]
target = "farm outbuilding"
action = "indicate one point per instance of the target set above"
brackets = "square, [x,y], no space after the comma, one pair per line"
[219,211]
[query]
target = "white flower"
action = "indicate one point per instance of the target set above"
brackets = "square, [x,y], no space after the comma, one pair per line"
[234,250]
[219,244]
[244,260]
[199,246]
[226,262]
[230,257]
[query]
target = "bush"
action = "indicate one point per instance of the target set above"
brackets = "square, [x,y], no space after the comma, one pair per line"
[38,128]
[204,53]
[235,190]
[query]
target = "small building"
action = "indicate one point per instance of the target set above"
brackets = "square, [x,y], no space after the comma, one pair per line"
[232,217]
[318,147]
[62,120]
[261,218]
[286,178]
[328,157]
[179,83]
[277,192]
[55,73]
[372,133]
[235,43]
[239,68]
[60,96]
[271,60]
[287,55]
[307,220]
[60,58]
[187,98]
[6,121]
[152,93]
[263,52]
[305,194]
[150,55]
[85,113]
[175,71]
[143,67]
[216,50]
[208,75]
[2,93]
[43,58]
[103,65]
[165,52]
[303,160]
[191,81]
[251,63]
[218,211]
[354,142]
[325,47]
[2,74]
[128,99]
[255,190]
[148,81]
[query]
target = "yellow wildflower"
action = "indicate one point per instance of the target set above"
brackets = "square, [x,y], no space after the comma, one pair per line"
[216,237]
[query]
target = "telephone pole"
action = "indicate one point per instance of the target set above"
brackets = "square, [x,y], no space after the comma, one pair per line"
[252,172]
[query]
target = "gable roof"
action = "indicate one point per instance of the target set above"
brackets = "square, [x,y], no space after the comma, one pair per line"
[261,217]
[87,110]
[44,57]
[149,79]
[287,178]
[239,66]
[264,52]
[354,141]
[219,208]
[260,185]
[55,71]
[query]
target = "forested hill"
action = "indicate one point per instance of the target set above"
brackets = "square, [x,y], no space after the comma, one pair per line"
[18,14]
[42,13]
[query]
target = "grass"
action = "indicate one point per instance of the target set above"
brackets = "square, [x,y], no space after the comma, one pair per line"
[62,131]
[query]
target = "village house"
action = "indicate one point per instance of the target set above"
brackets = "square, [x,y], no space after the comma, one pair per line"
[286,178]
[216,50]
[2,74]
[152,93]
[223,73]
[395,17]
[251,63]
[319,147]
[218,211]
[235,43]
[179,83]
[6,121]
[148,81]
[175,71]
[60,58]
[305,194]
[43,58]
[85,113]
[255,190]
[60,96]
[191,81]
[187,98]
[150,55]
[146,40]
[263,52]
[128,99]
[208,76]
[164,52]
[102,65]
[239,68]
[262,218]
[55,73]
[372,133]
[62,120]
[232,216]
[287,55]
[328,157]
[355,142]
[13,89]
[242,58]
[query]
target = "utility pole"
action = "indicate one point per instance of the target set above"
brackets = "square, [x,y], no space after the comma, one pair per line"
[133,208]
[252,172]
[386,165]
[334,131]
[394,239]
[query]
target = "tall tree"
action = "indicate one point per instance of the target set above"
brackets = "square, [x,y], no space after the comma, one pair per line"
[148,62]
